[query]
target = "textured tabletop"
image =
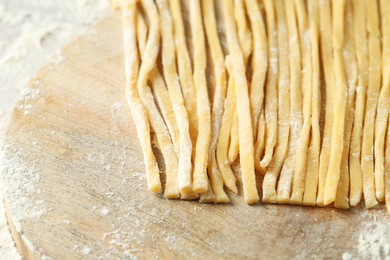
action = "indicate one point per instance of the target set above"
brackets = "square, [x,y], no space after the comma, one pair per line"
[31,32]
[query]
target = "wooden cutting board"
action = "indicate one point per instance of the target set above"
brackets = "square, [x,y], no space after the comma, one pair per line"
[75,187]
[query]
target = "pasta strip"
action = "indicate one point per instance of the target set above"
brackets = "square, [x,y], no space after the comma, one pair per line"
[200,181]
[137,109]
[223,139]
[190,196]
[367,160]
[155,119]
[387,169]
[185,70]
[342,200]
[176,98]
[312,166]
[271,96]
[260,143]
[142,34]
[162,97]
[242,101]
[244,32]
[339,106]
[273,170]
[327,60]
[287,173]
[208,196]
[360,35]
[234,145]
[298,184]
[245,41]
[219,98]
[383,105]
[159,87]
[259,63]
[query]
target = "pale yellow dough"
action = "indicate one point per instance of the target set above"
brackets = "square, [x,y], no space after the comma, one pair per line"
[218,104]
[298,184]
[327,60]
[312,166]
[155,119]
[271,87]
[342,195]
[374,52]
[245,41]
[259,68]
[273,169]
[382,114]
[339,106]
[137,109]
[176,98]
[287,173]
[243,79]
[242,102]
[387,169]
[184,69]
[360,35]
[223,138]
[385,10]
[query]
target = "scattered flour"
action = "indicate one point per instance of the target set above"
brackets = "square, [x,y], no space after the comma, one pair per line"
[7,247]
[374,240]
[347,256]
[171,239]
[86,250]
[27,95]
[116,109]
[104,212]
[31,32]
[107,167]
[23,181]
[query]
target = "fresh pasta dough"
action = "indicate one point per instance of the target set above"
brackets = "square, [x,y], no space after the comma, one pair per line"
[289,95]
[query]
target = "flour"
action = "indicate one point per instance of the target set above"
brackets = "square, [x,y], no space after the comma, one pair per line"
[23,180]
[171,239]
[374,240]
[7,247]
[27,95]
[31,31]
[347,256]
[103,212]
[86,250]
[107,167]
[116,109]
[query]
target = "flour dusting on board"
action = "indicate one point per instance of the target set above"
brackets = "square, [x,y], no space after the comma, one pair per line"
[347,256]
[31,31]
[23,179]
[104,212]
[86,250]
[28,95]
[116,110]
[374,240]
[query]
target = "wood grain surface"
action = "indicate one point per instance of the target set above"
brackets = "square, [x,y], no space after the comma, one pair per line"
[75,187]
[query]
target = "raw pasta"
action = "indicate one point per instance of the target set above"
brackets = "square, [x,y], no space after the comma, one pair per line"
[242,104]
[214,80]
[367,159]
[137,109]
